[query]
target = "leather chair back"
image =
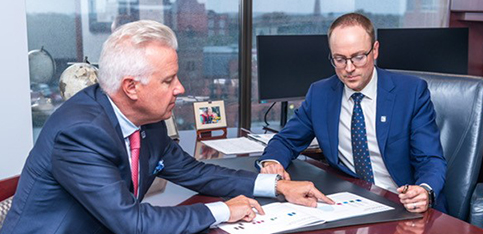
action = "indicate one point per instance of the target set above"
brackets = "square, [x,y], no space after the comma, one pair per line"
[458,102]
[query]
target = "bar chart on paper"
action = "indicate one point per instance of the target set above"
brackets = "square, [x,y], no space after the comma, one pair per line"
[286,216]
[278,217]
[347,205]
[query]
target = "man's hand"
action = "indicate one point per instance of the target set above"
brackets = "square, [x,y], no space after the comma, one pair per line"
[415,199]
[301,192]
[241,208]
[270,167]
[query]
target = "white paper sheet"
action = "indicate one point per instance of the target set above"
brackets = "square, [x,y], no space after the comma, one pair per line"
[347,205]
[286,216]
[265,138]
[278,217]
[241,145]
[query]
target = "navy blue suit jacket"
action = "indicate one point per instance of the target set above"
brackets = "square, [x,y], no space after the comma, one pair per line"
[408,139]
[77,178]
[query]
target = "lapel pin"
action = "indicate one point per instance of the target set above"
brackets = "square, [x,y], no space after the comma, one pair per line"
[383,118]
[143,134]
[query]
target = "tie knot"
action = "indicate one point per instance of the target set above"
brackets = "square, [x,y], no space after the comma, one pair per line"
[135,140]
[357,97]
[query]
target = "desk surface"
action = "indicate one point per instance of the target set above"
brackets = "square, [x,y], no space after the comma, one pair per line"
[433,221]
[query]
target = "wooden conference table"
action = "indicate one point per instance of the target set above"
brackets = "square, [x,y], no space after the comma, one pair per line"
[433,221]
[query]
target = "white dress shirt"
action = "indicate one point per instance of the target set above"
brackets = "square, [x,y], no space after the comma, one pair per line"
[264,183]
[382,178]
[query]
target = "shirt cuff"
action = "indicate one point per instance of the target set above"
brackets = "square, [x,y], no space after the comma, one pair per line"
[220,211]
[260,163]
[265,185]
[426,185]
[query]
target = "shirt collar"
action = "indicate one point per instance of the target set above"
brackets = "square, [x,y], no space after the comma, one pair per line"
[127,127]
[370,91]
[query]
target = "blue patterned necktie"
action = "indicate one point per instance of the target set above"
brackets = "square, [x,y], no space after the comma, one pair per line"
[360,150]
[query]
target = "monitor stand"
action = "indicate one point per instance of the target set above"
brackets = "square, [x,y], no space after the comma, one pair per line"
[283,119]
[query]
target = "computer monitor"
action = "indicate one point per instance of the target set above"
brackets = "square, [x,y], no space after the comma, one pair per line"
[288,64]
[424,49]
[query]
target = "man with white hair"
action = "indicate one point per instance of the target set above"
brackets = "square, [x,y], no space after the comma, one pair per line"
[100,151]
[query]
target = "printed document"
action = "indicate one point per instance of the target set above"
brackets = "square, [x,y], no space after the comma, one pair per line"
[265,138]
[287,216]
[241,145]
[347,205]
[278,217]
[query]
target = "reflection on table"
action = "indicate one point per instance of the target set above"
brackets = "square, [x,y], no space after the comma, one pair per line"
[205,152]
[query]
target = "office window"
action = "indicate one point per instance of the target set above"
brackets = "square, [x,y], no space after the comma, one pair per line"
[208,34]
[277,17]
[70,30]
[428,5]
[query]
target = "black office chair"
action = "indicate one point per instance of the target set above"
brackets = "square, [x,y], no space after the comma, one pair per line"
[458,102]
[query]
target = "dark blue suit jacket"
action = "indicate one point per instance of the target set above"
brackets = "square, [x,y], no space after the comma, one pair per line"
[77,178]
[408,139]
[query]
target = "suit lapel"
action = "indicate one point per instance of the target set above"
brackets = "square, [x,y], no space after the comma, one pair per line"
[385,106]
[153,143]
[124,167]
[334,106]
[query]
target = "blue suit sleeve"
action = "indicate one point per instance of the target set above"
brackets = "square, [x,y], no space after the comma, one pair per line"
[87,163]
[294,137]
[426,151]
[207,179]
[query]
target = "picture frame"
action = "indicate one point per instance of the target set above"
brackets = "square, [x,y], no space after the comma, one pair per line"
[172,127]
[209,115]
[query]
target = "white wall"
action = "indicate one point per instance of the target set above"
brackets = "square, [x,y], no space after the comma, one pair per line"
[15,116]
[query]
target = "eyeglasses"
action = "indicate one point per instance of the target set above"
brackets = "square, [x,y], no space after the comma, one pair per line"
[358,60]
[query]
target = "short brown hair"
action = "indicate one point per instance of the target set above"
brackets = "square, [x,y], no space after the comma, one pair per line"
[354,19]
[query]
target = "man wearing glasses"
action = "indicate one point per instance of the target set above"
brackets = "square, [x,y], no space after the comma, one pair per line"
[370,123]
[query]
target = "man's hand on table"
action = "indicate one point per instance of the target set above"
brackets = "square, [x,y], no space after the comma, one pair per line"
[415,198]
[297,192]
[271,167]
[302,193]
[241,208]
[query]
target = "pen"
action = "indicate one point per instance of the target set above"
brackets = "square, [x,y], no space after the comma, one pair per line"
[406,187]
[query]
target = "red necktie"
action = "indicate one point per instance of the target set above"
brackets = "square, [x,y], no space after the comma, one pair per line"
[135,144]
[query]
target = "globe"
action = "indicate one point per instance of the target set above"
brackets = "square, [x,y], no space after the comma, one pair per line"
[75,78]
[41,66]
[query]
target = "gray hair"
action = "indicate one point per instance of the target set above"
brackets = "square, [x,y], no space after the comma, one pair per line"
[123,53]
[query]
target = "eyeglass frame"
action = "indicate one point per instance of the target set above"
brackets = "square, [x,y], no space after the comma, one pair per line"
[331,58]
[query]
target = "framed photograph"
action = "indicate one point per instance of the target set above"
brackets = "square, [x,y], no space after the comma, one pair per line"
[209,115]
[172,127]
